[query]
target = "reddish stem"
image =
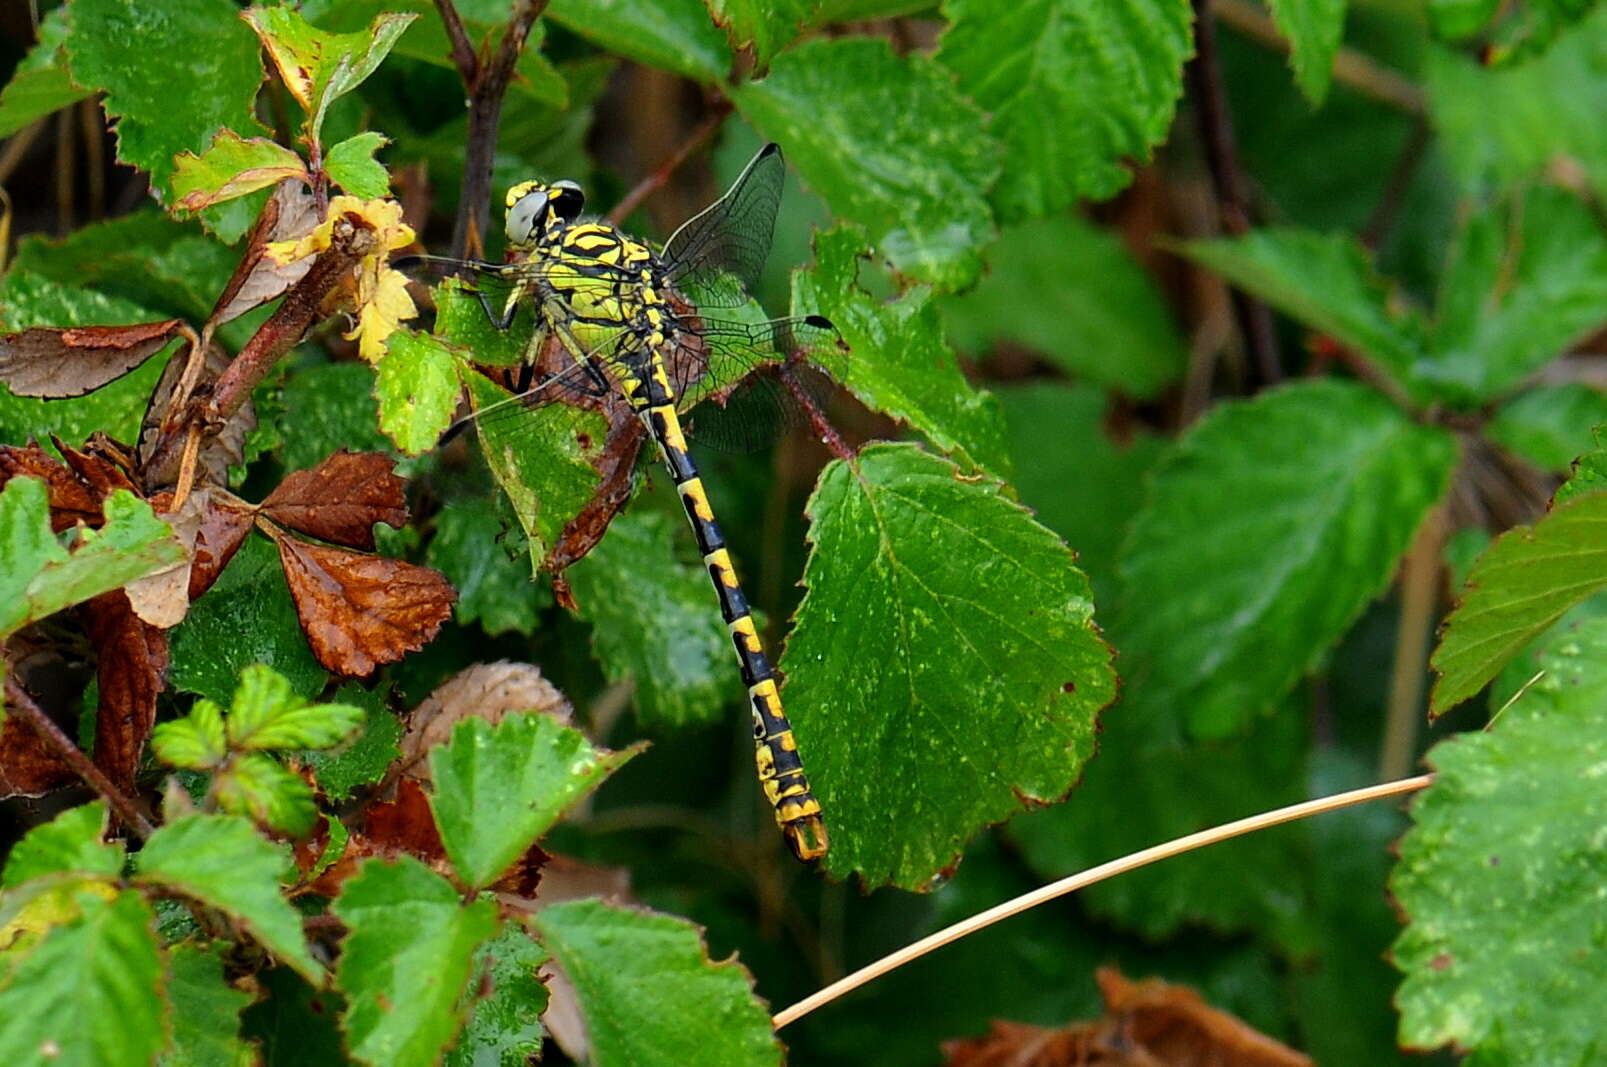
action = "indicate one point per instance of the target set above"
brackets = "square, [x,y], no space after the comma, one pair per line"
[659,178]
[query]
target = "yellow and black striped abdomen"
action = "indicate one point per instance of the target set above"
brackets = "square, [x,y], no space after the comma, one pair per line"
[781,772]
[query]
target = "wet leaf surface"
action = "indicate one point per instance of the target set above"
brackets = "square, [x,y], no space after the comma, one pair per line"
[341,499]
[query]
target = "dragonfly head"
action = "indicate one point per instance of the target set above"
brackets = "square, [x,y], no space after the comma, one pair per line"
[534,207]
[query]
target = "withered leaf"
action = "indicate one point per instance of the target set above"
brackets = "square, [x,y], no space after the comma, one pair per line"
[291,213]
[28,767]
[359,612]
[225,521]
[71,501]
[341,499]
[489,691]
[617,465]
[52,361]
[101,465]
[131,660]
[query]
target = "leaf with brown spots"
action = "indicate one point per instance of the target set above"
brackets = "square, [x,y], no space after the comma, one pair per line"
[359,612]
[50,361]
[341,499]
[131,660]
[71,501]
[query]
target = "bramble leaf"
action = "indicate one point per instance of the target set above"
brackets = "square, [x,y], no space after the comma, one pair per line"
[221,861]
[417,386]
[494,588]
[231,166]
[41,83]
[649,993]
[267,714]
[69,843]
[259,787]
[943,670]
[673,35]
[504,1026]
[1228,598]
[1500,876]
[366,757]
[197,742]
[352,166]
[406,961]
[206,1010]
[498,789]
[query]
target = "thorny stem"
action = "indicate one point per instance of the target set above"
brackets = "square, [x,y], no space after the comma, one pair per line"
[70,754]
[486,84]
[1227,180]
[1420,579]
[1082,880]
[660,177]
[817,419]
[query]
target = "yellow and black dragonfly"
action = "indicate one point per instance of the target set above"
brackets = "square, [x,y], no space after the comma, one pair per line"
[630,322]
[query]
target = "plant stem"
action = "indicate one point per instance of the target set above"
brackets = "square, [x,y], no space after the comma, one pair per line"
[1227,181]
[660,177]
[70,754]
[1420,578]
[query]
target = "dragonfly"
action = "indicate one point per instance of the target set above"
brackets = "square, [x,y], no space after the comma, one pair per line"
[632,323]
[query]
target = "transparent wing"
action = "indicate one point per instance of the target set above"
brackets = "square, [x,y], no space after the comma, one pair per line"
[717,254]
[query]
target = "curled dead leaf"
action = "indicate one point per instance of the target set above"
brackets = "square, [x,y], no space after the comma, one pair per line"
[341,499]
[290,214]
[359,612]
[28,766]
[52,361]
[131,658]
[71,501]
[490,691]
[225,522]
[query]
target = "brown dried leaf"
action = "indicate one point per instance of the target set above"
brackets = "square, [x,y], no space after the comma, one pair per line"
[490,691]
[53,361]
[28,766]
[71,501]
[359,612]
[163,598]
[132,658]
[341,499]
[291,213]
[225,521]
[616,462]
[102,465]
[163,429]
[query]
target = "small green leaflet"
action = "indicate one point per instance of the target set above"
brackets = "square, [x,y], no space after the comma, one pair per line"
[944,668]
[68,844]
[266,714]
[654,621]
[366,757]
[1074,88]
[352,166]
[887,142]
[206,1010]
[417,386]
[231,166]
[1520,586]
[1228,598]
[89,992]
[1500,877]
[899,362]
[499,788]
[42,577]
[220,861]
[649,993]
[1313,29]
[405,964]
[767,25]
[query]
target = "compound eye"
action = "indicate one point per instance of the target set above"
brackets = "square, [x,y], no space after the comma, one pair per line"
[525,216]
[567,200]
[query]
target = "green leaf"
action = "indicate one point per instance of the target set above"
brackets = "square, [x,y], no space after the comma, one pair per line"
[41,83]
[352,166]
[498,789]
[1509,124]
[268,714]
[1520,586]
[220,861]
[1500,877]
[649,993]
[365,758]
[246,617]
[888,142]
[206,1011]
[1149,784]
[319,67]
[899,363]
[42,577]
[542,459]
[1084,486]
[1326,282]
[1229,597]
[767,26]
[89,993]
[329,407]
[504,1028]
[231,166]
[655,621]
[1550,425]
[256,786]
[1106,324]
[1073,88]
[944,669]
[127,49]
[69,843]
[1524,282]
[673,35]
[494,589]
[294,1022]
[1589,475]
[197,742]
[418,390]
[1313,29]
[406,961]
